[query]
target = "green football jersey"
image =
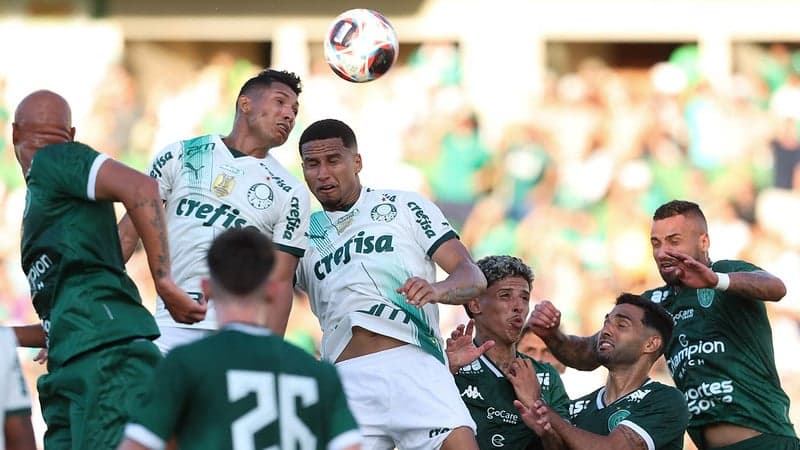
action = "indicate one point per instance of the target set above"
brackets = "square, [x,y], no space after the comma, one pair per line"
[490,396]
[655,411]
[72,257]
[721,357]
[244,388]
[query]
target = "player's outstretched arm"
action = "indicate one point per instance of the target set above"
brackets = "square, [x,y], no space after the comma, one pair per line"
[139,193]
[756,285]
[574,351]
[464,282]
[460,348]
[283,277]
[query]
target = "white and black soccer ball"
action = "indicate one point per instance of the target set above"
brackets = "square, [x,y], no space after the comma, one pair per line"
[361,45]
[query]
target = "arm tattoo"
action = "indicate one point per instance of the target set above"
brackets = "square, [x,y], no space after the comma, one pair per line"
[632,439]
[575,351]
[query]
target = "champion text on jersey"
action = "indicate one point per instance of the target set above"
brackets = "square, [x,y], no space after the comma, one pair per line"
[155,171]
[292,219]
[36,271]
[422,219]
[210,215]
[358,244]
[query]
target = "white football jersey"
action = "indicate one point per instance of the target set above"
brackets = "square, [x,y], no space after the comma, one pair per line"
[358,258]
[208,188]
[13,391]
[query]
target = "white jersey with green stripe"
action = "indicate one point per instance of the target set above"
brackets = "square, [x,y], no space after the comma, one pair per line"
[358,258]
[208,188]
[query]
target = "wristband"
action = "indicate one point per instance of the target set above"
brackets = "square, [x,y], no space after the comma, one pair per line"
[723,281]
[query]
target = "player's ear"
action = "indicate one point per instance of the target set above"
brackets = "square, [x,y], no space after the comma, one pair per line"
[244,103]
[474,306]
[652,344]
[358,162]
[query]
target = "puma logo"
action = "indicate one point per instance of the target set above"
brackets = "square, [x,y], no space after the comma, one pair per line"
[196,171]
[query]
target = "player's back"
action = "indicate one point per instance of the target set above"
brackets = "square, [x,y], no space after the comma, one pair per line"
[245,388]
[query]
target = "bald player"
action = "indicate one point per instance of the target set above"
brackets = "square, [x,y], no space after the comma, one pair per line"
[97,331]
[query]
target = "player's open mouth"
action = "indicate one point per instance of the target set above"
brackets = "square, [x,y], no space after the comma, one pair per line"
[326,188]
[285,128]
[605,345]
[517,322]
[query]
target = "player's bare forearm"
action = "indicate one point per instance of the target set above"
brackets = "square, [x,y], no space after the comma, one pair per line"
[283,278]
[759,285]
[579,352]
[32,336]
[621,438]
[147,214]
[552,441]
[18,431]
[463,284]
[128,237]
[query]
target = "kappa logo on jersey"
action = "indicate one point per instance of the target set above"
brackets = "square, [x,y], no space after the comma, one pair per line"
[422,219]
[260,196]
[210,215]
[498,440]
[223,185]
[617,417]
[292,219]
[359,244]
[576,408]
[280,182]
[544,379]
[158,164]
[471,392]
[385,212]
[638,395]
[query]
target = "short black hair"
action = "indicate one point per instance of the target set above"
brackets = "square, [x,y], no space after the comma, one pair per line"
[265,79]
[240,260]
[500,267]
[327,129]
[655,316]
[680,208]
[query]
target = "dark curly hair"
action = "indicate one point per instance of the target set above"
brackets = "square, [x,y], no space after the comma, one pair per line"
[500,267]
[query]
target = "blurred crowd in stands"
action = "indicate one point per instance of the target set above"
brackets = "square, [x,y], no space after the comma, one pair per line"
[570,189]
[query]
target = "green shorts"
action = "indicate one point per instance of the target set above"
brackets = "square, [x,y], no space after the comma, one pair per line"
[763,442]
[86,402]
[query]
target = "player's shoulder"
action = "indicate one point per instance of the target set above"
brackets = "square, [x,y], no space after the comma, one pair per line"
[733,265]
[71,148]
[658,390]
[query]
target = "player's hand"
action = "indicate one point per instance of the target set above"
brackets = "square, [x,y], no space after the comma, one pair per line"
[180,306]
[523,378]
[693,274]
[460,348]
[544,320]
[419,291]
[538,417]
[41,357]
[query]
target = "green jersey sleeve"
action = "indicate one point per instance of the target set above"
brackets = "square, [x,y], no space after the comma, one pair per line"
[70,169]
[660,417]
[155,419]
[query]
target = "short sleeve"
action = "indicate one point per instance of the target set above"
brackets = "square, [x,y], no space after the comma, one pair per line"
[427,223]
[290,234]
[154,420]
[660,418]
[165,167]
[69,169]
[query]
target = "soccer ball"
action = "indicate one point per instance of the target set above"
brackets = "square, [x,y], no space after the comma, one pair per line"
[360,45]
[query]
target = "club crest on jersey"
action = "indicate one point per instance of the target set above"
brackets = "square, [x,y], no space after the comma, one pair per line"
[617,417]
[385,212]
[260,196]
[223,185]
[705,297]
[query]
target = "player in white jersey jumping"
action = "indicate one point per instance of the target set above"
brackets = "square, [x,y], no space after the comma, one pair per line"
[15,405]
[369,273]
[212,183]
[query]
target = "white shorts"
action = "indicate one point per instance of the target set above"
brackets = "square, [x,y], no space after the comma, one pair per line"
[172,337]
[404,398]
